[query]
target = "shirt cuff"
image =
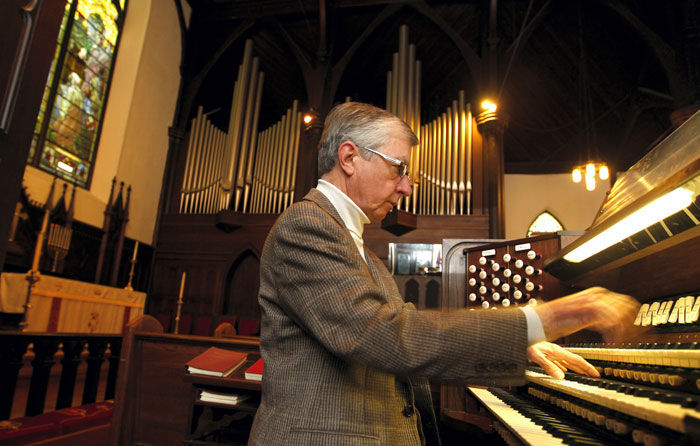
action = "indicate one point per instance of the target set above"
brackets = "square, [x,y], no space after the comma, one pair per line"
[535,331]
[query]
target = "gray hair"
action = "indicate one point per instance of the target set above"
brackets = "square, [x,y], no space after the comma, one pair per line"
[363,124]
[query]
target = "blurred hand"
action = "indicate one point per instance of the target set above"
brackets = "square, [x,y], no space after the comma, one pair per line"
[611,314]
[556,360]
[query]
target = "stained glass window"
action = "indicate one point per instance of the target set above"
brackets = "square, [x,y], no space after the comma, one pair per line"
[70,118]
[545,222]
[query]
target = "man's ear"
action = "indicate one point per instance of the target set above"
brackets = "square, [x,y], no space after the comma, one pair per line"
[346,154]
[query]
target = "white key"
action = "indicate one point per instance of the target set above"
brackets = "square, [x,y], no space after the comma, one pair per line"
[657,412]
[521,426]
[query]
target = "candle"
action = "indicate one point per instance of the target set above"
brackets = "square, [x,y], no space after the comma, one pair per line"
[40,242]
[182,284]
[136,249]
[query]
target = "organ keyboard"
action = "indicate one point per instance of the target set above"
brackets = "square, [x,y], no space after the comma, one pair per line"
[644,242]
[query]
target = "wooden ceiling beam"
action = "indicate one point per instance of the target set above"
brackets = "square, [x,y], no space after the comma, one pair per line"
[217,11]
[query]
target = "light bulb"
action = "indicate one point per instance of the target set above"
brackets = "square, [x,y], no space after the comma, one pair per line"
[604,173]
[590,170]
[488,105]
[590,183]
[576,175]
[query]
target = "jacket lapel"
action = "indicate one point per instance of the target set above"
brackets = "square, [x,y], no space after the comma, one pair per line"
[317,197]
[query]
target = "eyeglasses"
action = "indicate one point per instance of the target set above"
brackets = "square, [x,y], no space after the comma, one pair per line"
[400,165]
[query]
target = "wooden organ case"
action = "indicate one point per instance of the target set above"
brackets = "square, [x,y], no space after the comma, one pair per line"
[645,242]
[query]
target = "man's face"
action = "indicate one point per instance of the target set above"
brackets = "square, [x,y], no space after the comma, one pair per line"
[377,186]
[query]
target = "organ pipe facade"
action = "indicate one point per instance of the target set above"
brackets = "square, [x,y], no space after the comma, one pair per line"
[441,163]
[243,170]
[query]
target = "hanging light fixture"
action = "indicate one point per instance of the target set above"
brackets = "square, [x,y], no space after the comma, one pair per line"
[588,171]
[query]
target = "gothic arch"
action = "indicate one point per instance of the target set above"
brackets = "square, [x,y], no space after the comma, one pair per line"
[240,297]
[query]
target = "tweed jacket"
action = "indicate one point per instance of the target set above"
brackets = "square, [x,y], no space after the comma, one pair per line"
[346,359]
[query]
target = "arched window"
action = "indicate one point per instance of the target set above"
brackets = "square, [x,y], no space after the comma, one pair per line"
[70,118]
[545,222]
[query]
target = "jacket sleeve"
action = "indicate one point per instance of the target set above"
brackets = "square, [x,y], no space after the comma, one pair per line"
[323,284]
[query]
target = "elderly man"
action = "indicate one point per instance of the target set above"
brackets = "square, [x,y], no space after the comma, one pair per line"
[346,359]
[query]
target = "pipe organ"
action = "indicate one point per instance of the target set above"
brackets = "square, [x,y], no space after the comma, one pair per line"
[274,178]
[444,162]
[219,165]
[441,164]
[645,243]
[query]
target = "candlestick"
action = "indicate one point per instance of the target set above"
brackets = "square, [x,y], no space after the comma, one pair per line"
[179,303]
[33,275]
[136,249]
[182,284]
[128,286]
[40,242]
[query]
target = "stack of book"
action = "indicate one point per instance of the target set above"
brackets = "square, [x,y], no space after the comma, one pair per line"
[222,398]
[255,371]
[216,362]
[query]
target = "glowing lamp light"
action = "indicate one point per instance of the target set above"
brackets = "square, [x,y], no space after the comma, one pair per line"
[653,212]
[576,175]
[308,118]
[590,183]
[488,106]
[590,170]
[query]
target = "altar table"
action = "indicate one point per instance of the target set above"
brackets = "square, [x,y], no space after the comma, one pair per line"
[70,306]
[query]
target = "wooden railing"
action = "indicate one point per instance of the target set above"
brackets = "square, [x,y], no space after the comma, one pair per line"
[45,350]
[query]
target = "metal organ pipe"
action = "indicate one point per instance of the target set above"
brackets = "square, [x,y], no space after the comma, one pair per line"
[293,123]
[279,163]
[202,180]
[462,151]
[416,126]
[253,140]
[297,138]
[246,136]
[219,166]
[191,147]
[403,99]
[275,164]
[456,160]
[441,164]
[236,118]
[244,170]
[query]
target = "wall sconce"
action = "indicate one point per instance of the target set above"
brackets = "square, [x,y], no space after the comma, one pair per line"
[309,118]
[488,106]
[488,112]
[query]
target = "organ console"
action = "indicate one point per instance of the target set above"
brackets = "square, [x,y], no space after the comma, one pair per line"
[644,242]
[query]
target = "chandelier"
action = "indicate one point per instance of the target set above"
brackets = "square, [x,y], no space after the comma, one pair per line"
[588,172]
[591,169]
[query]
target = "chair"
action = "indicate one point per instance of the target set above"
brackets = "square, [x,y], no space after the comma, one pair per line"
[185,325]
[164,319]
[202,325]
[225,330]
[226,318]
[248,327]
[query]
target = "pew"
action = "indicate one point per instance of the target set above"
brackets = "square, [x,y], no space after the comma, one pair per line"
[152,401]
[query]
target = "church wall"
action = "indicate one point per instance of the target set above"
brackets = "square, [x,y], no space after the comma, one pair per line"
[527,196]
[140,108]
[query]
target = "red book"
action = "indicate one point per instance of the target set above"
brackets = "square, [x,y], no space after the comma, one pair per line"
[216,362]
[255,371]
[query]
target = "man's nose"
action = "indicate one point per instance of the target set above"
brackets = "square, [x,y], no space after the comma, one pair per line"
[405,186]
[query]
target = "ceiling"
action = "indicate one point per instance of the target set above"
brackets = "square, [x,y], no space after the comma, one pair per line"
[574,78]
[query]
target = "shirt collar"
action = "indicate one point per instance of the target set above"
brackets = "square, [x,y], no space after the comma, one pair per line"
[353,217]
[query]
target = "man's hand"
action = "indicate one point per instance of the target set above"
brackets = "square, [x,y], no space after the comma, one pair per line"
[556,360]
[611,314]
